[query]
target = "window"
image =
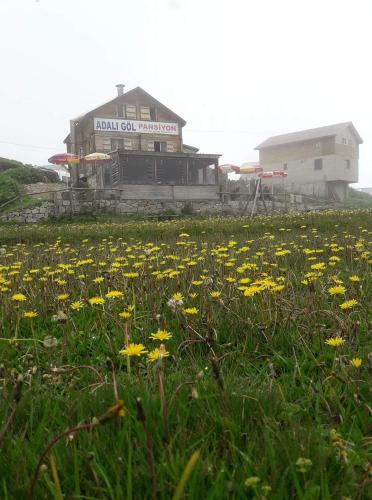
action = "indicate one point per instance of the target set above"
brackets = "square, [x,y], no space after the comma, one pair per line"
[153,114]
[121,111]
[107,144]
[160,146]
[117,144]
[285,166]
[128,144]
[344,141]
[317,145]
[318,164]
[145,113]
[348,164]
[131,112]
[170,147]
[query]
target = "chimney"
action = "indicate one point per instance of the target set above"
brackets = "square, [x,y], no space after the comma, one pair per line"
[120,88]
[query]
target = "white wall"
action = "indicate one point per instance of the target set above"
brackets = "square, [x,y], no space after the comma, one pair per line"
[302,177]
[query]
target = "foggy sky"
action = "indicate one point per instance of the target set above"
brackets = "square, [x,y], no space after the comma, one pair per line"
[237,71]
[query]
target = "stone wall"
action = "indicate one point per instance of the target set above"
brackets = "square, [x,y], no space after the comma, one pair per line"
[84,205]
[144,207]
[30,215]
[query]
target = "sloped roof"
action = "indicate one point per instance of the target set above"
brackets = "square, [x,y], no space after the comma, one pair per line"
[308,135]
[190,149]
[136,90]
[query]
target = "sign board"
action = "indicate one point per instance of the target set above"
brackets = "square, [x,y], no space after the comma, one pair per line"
[120,125]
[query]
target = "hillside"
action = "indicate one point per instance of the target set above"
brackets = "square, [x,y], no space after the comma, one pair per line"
[14,176]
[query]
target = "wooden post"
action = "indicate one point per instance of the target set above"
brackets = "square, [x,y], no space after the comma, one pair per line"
[70,191]
[187,171]
[216,173]
[155,171]
[258,182]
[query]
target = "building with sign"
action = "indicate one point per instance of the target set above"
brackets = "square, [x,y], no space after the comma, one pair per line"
[144,139]
[320,162]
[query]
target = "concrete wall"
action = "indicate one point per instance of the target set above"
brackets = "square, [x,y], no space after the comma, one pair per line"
[297,150]
[340,164]
[303,178]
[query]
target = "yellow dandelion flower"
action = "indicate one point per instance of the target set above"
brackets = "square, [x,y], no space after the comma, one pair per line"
[349,304]
[230,279]
[60,282]
[215,295]
[19,297]
[318,266]
[157,354]
[354,278]
[30,314]
[114,294]
[63,296]
[190,311]
[335,341]
[337,290]
[77,305]
[177,296]
[356,362]
[96,300]
[98,280]
[125,315]
[131,275]
[133,350]
[161,335]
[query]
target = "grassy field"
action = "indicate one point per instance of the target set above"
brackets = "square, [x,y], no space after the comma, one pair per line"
[199,358]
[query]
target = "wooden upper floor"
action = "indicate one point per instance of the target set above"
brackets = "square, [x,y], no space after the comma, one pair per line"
[133,121]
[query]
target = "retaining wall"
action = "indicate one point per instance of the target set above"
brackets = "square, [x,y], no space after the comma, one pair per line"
[34,214]
[83,203]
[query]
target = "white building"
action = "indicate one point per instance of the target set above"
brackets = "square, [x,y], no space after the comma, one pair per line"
[320,162]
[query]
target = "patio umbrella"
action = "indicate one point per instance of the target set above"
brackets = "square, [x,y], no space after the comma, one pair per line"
[228,168]
[64,159]
[250,170]
[97,157]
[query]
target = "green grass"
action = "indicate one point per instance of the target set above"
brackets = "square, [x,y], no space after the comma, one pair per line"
[249,381]
[12,180]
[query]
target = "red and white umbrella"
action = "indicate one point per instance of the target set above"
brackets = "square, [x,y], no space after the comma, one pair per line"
[64,159]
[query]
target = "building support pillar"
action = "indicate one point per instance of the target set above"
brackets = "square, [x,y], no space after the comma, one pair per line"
[187,171]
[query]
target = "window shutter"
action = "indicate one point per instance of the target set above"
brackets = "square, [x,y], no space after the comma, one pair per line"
[170,147]
[145,113]
[131,112]
[150,146]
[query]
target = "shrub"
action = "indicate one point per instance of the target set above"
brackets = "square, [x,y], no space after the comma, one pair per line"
[11,181]
[187,209]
